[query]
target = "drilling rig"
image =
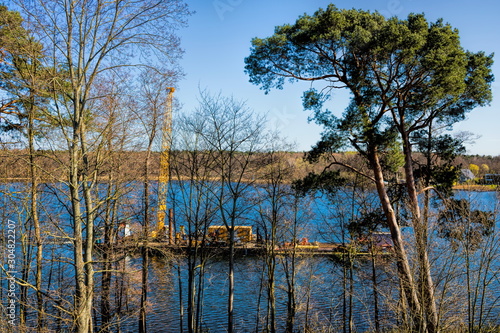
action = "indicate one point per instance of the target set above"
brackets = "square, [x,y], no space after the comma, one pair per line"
[164,174]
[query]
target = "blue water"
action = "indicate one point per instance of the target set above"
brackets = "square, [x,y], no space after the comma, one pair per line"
[319,280]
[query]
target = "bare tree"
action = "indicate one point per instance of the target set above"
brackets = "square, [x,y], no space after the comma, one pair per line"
[298,211]
[196,207]
[89,40]
[114,120]
[273,199]
[151,114]
[471,234]
[232,135]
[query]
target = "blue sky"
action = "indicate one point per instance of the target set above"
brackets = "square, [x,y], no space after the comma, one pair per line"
[218,39]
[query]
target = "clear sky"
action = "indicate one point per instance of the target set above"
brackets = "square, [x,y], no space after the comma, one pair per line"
[218,40]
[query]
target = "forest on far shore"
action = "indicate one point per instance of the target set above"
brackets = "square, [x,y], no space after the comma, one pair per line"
[14,164]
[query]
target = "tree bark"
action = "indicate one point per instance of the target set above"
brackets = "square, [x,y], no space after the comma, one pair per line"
[35,217]
[420,229]
[402,262]
[145,236]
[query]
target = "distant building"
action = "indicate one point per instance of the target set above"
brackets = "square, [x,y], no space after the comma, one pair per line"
[466,175]
[492,178]
[124,230]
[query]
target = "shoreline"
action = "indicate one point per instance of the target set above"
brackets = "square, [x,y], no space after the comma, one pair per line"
[476,188]
[464,187]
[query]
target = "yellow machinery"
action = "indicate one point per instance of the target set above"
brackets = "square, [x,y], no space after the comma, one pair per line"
[221,233]
[164,174]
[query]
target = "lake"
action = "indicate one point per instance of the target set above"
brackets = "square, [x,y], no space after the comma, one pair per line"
[322,299]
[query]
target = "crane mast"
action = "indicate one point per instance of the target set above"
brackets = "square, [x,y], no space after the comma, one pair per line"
[164,174]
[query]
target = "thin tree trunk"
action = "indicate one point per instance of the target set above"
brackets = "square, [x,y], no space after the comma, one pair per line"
[82,314]
[181,305]
[106,289]
[191,263]
[375,288]
[260,293]
[200,296]
[290,280]
[351,291]
[36,223]
[271,290]
[271,262]
[145,244]
[87,185]
[291,305]
[230,303]
[108,247]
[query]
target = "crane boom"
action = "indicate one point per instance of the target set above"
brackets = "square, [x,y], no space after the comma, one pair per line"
[164,173]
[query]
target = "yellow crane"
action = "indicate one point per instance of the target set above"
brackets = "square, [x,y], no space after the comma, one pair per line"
[164,174]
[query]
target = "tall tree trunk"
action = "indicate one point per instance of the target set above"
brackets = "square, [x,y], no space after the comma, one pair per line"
[35,218]
[82,245]
[271,280]
[270,259]
[403,265]
[181,304]
[26,248]
[374,287]
[290,272]
[144,288]
[351,290]
[81,313]
[88,179]
[230,302]
[191,263]
[420,229]
[106,286]
[145,244]
[108,250]
[291,305]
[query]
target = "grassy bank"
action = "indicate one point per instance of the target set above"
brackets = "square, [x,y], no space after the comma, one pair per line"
[478,188]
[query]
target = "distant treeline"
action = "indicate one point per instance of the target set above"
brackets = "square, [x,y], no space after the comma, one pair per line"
[14,164]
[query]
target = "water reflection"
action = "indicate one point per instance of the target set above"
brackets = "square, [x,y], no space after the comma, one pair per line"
[319,295]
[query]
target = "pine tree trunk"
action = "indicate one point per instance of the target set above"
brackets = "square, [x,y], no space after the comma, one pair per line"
[420,228]
[403,264]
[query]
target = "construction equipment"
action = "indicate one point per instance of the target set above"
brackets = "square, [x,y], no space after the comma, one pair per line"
[164,174]
[242,233]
